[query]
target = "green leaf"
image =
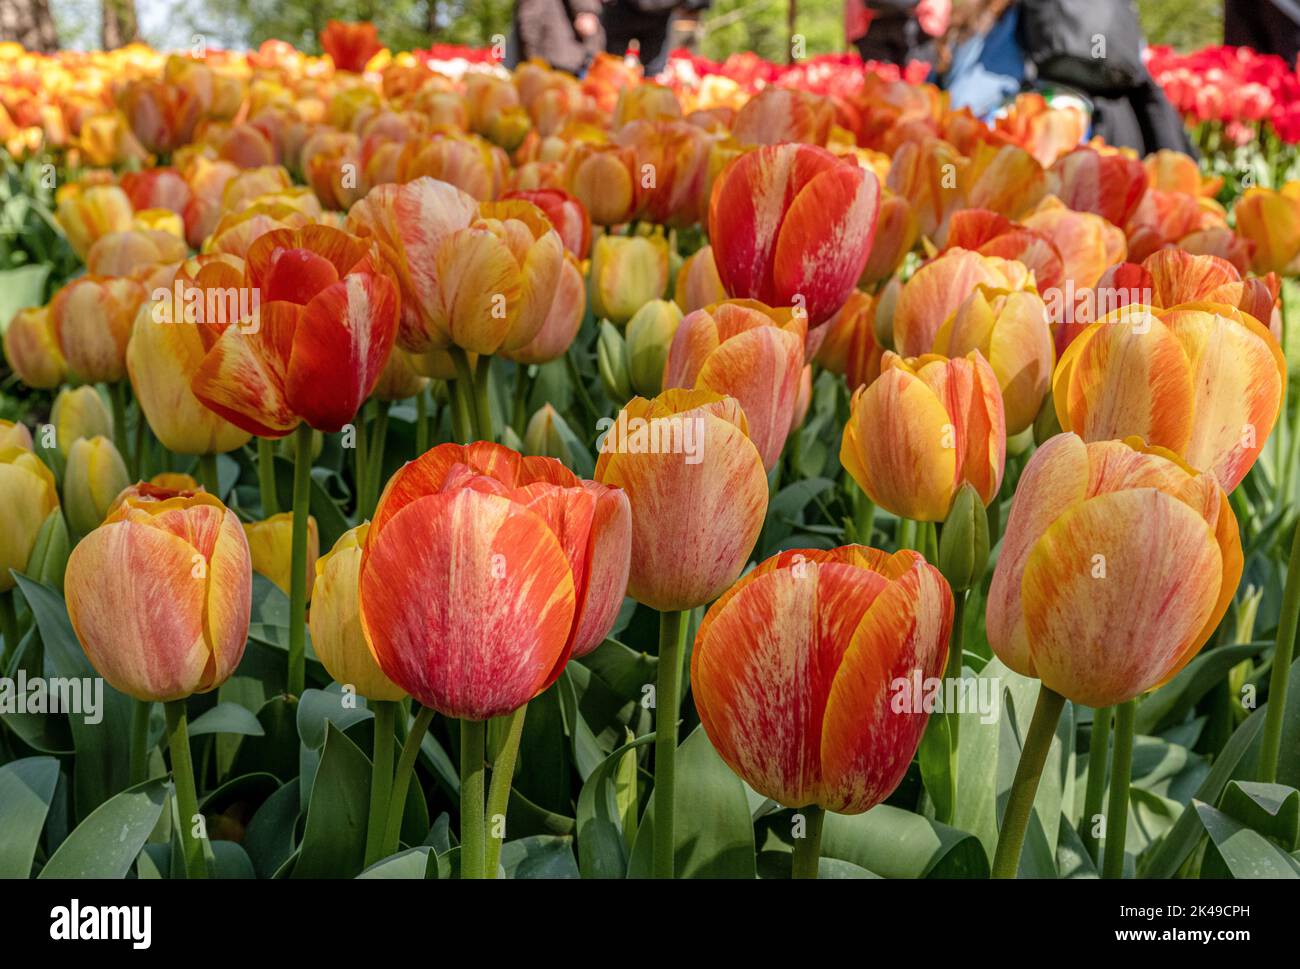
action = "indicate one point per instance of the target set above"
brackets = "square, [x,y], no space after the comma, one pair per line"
[269,838]
[712,828]
[334,840]
[227,718]
[602,851]
[102,767]
[105,845]
[316,708]
[1239,852]
[411,863]
[26,788]
[1172,702]
[899,844]
[1271,809]
[540,856]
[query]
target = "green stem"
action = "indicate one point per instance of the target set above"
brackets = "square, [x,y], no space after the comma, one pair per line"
[422,421]
[8,627]
[864,517]
[462,414]
[1279,678]
[1121,772]
[187,800]
[955,644]
[298,576]
[465,396]
[1020,803]
[140,711]
[266,477]
[580,388]
[1098,754]
[381,778]
[672,642]
[906,533]
[378,440]
[808,849]
[523,387]
[360,464]
[117,395]
[503,772]
[483,398]
[402,779]
[472,767]
[208,474]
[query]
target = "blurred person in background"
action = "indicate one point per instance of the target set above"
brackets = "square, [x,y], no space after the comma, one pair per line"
[1265,26]
[566,34]
[643,21]
[896,31]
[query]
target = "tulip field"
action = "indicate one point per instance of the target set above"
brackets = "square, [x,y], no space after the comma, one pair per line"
[414,468]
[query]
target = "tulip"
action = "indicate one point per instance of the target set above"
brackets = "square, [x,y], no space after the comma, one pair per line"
[745,350]
[270,544]
[777,114]
[612,362]
[28,495]
[850,347]
[548,435]
[94,476]
[87,212]
[1117,565]
[626,273]
[1110,185]
[562,322]
[172,481]
[1012,332]
[567,215]
[472,164]
[922,429]
[697,283]
[162,115]
[646,102]
[92,318]
[79,412]
[1204,381]
[1271,220]
[672,158]
[649,335]
[15,434]
[32,349]
[350,45]
[792,225]
[936,290]
[794,672]
[897,230]
[186,551]
[483,573]
[605,179]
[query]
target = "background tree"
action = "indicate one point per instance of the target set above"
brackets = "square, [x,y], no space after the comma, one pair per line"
[29,23]
[119,26]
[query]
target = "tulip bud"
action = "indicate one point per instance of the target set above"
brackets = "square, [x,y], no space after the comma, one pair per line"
[28,496]
[96,474]
[79,412]
[611,360]
[964,541]
[159,596]
[15,435]
[174,481]
[335,621]
[547,435]
[1045,424]
[49,559]
[270,543]
[33,350]
[626,273]
[649,335]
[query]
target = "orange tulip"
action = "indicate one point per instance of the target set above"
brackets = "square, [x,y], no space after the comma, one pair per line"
[1117,565]
[896,233]
[645,102]
[925,427]
[792,225]
[87,212]
[777,114]
[318,342]
[1110,185]
[92,317]
[162,115]
[698,493]
[32,349]
[850,347]
[473,165]
[563,319]
[672,159]
[1271,220]
[605,179]
[1202,380]
[484,572]
[350,45]
[183,549]
[934,292]
[567,215]
[745,350]
[796,672]
[135,251]
[698,283]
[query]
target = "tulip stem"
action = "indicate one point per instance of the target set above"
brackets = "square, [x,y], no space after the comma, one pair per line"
[1020,803]
[140,711]
[472,767]
[187,800]
[1098,755]
[117,395]
[523,386]
[8,628]
[906,533]
[465,402]
[808,849]
[298,577]
[672,642]
[1121,770]
[1283,654]
[402,780]
[503,772]
[360,463]
[421,421]
[381,778]
[378,440]
[266,477]
[208,474]
[483,398]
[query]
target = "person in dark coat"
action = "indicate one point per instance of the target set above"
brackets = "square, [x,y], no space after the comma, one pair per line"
[896,31]
[566,34]
[646,22]
[1265,26]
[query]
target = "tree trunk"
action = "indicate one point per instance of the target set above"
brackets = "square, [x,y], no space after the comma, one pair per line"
[119,26]
[29,23]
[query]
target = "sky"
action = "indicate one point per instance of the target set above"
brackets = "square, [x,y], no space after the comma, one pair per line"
[162,24]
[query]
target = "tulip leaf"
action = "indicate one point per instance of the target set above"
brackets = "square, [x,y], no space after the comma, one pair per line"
[712,829]
[276,752]
[316,708]
[1271,809]
[539,856]
[227,718]
[269,837]
[26,788]
[230,860]
[602,851]
[1172,702]
[1238,852]
[102,765]
[895,843]
[106,843]
[334,839]
[410,863]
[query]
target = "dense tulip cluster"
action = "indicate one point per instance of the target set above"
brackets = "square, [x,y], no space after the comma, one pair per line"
[746,359]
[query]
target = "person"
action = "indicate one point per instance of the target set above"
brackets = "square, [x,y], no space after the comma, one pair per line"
[1265,26]
[896,31]
[566,34]
[645,21]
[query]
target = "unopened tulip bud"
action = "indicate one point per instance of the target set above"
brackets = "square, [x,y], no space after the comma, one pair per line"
[964,541]
[95,475]
[547,435]
[611,360]
[79,412]
[626,273]
[649,335]
[28,496]
[270,543]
